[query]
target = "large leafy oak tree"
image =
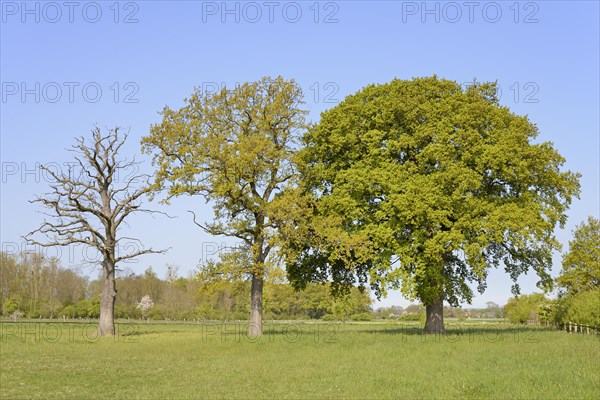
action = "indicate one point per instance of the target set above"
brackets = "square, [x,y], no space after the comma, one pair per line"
[233,148]
[424,185]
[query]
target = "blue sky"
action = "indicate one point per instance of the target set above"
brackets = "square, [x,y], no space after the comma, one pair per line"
[65,67]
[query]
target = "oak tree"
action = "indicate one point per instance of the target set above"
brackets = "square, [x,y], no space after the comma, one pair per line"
[424,185]
[88,205]
[234,149]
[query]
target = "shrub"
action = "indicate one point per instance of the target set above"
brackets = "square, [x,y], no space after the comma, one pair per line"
[413,317]
[362,317]
[68,311]
[127,311]
[10,306]
[533,307]
[155,313]
[93,309]
[585,308]
[239,315]
[581,308]
[34,313]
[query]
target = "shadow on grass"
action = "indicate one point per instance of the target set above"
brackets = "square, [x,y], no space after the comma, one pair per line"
[462,330]
[139,333]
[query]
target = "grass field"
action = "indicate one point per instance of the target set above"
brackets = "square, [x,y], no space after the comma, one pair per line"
[296,360]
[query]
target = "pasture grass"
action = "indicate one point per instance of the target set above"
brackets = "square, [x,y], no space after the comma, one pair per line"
[296,361]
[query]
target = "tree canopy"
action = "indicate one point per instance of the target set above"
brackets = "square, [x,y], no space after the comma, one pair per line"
[424,185]
[581,264]
[233,148]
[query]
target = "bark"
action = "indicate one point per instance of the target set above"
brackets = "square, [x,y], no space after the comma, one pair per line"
[107,301]
[80,205]
[435,317]
[256,293]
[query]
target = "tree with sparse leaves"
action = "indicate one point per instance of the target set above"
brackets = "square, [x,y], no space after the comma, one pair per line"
[88,205]
[423,185]
[233,148]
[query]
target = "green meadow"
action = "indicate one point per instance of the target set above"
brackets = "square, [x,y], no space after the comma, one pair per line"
[296,360]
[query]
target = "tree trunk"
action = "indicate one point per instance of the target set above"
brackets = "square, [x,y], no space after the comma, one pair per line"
[435,317]
[107,301]
[256,293]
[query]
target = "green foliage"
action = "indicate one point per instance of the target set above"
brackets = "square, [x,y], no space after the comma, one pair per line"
[82,309]
[128,311]
[581,264]
[234,148]
[525,308]
[93,310]
[228,300]
[413,317]
[362,317]
[584,307]
[579,300]
[10,305]
[580,308]
[423,185]
[35,313]
[68,311]
[353,302]
[38,284]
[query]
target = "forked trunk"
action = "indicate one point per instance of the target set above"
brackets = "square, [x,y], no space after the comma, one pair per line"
[256,292]
[435,317]
[107,301]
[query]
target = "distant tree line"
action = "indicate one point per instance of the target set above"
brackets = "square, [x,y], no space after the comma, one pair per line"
[38,286]
[35,286]
[416,312]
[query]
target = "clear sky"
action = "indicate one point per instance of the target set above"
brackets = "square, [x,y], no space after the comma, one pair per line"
[66,66]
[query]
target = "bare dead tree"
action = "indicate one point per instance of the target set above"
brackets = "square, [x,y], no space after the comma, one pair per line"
[88,207]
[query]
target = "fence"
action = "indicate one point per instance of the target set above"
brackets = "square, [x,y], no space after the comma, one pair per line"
[579,328]
[570,327]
